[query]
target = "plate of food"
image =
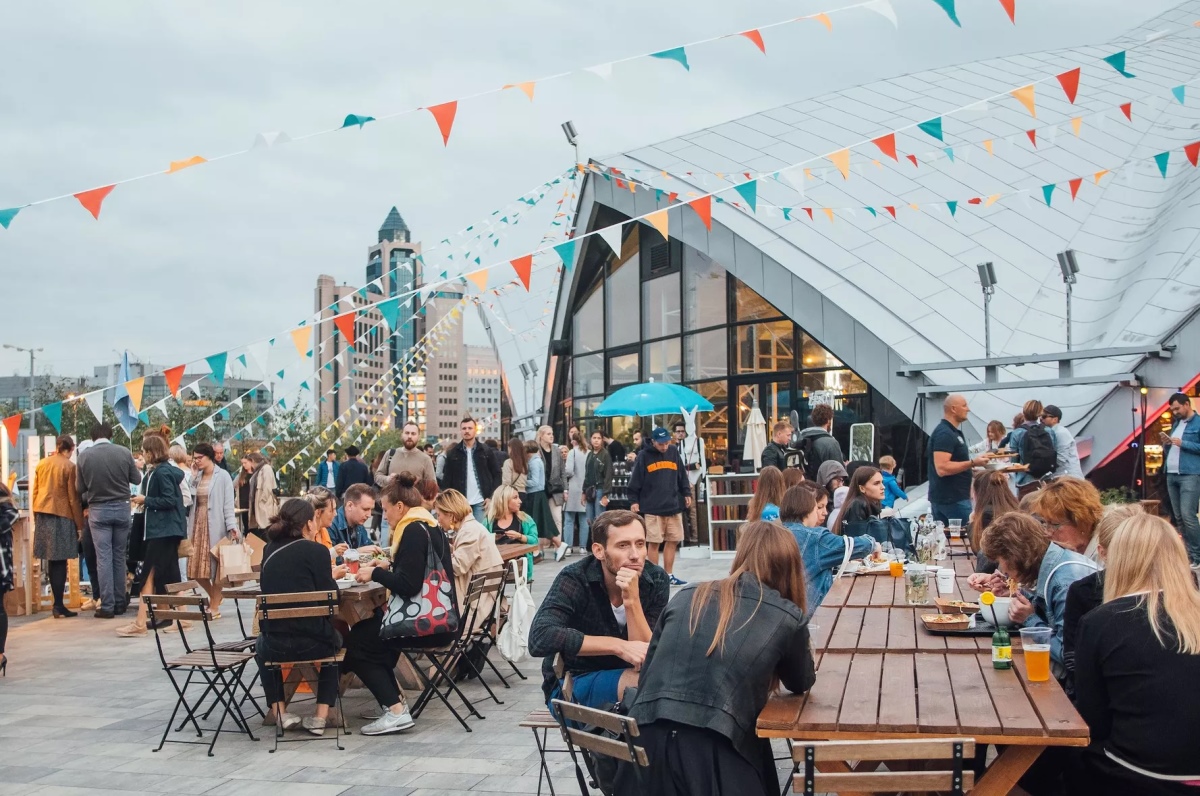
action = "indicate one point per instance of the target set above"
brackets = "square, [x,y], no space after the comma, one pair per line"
[347,582]
[874,564]
[949,606]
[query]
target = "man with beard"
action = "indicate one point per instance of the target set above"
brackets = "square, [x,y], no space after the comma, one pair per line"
[409,459]
[600,612]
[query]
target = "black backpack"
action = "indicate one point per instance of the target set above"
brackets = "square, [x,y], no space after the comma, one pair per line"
[808,459]
[1037,451]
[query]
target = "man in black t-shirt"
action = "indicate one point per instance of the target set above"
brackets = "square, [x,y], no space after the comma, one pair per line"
[950,464]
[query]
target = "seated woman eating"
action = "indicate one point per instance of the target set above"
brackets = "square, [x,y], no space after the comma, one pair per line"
[372,658]
[719,651]
[294,562]
[823,552]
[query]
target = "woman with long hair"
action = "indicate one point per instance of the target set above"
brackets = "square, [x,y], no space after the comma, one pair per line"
[415,533]
[514,471]
[262,503]
[212,519]
[864,498]
[992,498]
[324,506]
[1070,508]
[767,492]
[1138,664]
[737,639]
[509,525]
[536,503]
[803,513]
[575,506]
[57,518]
[242,501]
[8,579]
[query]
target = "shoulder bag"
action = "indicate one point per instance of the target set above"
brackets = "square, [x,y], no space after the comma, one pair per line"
[431,611]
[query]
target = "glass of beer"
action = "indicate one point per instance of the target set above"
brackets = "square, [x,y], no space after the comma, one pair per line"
[351,559]
[1035,646]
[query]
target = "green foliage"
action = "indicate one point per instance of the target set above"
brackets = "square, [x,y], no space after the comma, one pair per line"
[1117,495]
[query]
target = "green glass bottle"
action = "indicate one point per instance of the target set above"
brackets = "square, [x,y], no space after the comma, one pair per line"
[1001,649]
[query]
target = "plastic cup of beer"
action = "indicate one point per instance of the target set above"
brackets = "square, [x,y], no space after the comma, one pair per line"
[351,559]
[1035,646]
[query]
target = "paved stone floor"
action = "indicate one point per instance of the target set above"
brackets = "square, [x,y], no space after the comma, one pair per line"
[81,711]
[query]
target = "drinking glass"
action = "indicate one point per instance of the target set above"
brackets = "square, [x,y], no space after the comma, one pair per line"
[1035,646]
[955,526]
[916,584]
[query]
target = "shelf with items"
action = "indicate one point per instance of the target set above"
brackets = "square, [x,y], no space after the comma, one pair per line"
[729,496]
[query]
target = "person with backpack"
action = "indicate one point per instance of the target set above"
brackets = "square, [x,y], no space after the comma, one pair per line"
[409,459]
[1034,444]
[779,452]
[817,444]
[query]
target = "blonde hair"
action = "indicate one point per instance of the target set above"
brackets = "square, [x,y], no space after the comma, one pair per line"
[499,505]
[1112,519]
[887,463]
[1148,556]
[453,505]
[179,455]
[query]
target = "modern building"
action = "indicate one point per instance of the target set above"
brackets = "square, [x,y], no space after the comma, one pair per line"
[484,388]
[853,279]
[445,387]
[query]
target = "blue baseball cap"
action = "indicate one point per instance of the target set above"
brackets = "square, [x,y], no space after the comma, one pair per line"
[660,434]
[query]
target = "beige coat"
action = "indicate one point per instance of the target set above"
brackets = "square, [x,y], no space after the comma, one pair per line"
[263,503]
[475,552]
[508,478]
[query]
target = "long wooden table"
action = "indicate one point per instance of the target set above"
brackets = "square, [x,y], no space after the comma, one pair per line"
[354,603]
[881,675]
[508,552]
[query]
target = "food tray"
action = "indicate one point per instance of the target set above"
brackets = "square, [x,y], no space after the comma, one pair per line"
[949,606]
[929,620]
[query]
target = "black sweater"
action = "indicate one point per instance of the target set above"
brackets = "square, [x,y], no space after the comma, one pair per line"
[298,565]
[659,482]
[1138,697]
[407,573]
[1084,595]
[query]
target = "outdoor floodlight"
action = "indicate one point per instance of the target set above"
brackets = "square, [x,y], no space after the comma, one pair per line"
[987,279]
[1070,268]
[987,275]
[568,128]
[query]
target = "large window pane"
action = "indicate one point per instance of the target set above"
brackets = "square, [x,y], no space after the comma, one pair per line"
[588,374]
[765,347]
[660,307]
[750,306]
[662,360]
[831,387]
[713,426]
[774,399]
[588,332]
[583,409]
[814,355]
[704,300]
[624,293]
[704,355]
[623,369]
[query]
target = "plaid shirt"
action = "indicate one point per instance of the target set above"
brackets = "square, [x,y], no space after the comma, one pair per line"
[577,605]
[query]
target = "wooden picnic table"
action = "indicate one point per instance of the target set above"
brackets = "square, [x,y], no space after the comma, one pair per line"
[508,552]
[881,675]
[354,603]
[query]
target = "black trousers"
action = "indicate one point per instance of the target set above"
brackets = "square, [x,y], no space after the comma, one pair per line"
[89,558]
[297,648]
[373,660]
[3,624]
[691,761]
[57,570]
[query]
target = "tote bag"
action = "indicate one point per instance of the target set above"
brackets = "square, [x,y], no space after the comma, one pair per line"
[514,638]
[430,611]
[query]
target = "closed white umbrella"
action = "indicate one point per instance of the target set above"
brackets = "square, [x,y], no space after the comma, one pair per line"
[756,437]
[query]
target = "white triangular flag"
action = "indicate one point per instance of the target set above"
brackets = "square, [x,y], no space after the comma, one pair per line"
[178,440]
[976,109]
[612,236]
[260,353]
[268,140]
[208,421]
[795,178]
[605,70]
[884,9]
[95,402]
[194,387]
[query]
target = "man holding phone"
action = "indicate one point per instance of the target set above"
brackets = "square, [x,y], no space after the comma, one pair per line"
[1182,463]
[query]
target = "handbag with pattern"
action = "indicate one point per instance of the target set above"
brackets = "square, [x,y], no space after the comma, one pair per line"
[431,611]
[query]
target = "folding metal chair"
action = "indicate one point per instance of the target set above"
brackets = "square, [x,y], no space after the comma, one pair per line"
[304,605]
[219,671]
[476,633]
[542,721]
[623,747]
[443,660]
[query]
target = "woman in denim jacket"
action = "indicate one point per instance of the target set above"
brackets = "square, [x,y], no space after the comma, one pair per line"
[802,511]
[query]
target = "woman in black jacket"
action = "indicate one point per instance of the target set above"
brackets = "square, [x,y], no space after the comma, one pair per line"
[719,651]
[368,655]
[864,500]
[293,561]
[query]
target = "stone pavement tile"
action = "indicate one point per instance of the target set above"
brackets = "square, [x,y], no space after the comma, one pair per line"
[266,770]
[440,780]
[383,759]
[66,720]
[354,776]
[66,790]
[464,765]
[118,780]
[175,766]
[371,790]
[20,774]
[66,759]
[249,787]
[509,784]
[13,789]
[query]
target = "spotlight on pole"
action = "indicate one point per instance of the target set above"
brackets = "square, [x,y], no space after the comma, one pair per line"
[1070,269]
[568,128]
[987,280]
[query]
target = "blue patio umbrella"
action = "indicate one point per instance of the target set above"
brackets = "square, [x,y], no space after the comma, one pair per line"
[652,398]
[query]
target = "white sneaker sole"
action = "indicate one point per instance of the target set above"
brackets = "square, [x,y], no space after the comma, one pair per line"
[389,730]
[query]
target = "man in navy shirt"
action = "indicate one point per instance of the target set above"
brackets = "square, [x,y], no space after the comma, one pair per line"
[950,464]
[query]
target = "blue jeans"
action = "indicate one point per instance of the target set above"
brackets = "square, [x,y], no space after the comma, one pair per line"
[571,519]
[952,511]
[478,512]
[594,509]
[110,523]
[1184,491]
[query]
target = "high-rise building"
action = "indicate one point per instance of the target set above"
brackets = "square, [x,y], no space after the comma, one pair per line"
[484,384]
[446,371]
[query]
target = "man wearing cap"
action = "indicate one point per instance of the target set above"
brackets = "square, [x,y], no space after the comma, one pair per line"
[1066,452]
[659,490]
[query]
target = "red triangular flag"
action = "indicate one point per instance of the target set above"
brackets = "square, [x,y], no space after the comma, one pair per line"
[703,208]
[12,425]
[890,209]
[977,200]
[672,197]
[345,325]
[1127,109]
[1192,151]
[1010,8]
[913,158]
[1075,183]
[91,200]
[620,183]
[1070,83]
[174,377]
[1032,137]
[809,211]
[444,116]
[615,170]
[524,267]
[886,144]
[756,37]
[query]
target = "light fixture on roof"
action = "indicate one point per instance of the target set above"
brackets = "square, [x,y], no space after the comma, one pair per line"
[987,280]
[1070,269]
[568,128]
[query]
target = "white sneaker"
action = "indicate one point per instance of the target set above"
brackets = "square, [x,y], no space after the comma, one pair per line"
[560,552]
[389,722]
[289,721]
[314,724]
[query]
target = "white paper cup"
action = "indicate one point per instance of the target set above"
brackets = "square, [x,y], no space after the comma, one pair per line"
[945,581]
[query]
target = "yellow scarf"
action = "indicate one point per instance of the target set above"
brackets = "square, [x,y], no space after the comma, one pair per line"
[418,514]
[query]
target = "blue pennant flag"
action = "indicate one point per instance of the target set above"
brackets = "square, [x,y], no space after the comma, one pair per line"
[566,253]
[216,363]
[53,413]
[676,54]
[749,192]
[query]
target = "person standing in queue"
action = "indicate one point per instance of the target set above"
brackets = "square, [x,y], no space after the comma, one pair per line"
[660,490]
[57,518]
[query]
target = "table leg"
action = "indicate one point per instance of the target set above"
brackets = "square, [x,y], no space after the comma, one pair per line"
[1003,773]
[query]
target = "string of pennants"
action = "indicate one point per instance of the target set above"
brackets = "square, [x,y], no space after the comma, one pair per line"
[444,114]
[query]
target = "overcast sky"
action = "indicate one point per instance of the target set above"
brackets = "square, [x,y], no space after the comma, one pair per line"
[182,266]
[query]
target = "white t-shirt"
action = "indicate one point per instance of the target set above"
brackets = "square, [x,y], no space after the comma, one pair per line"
[330,481]
[1173,451]
[474,494]
[619,613]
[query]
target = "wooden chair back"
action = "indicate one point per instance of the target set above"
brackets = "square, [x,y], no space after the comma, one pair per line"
[481,585]
[238,578]
[183,587]
[623,747]
[177,607]
[298,605]
[952,779]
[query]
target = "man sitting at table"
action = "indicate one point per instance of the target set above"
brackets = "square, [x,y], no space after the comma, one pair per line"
[348,527]
[599,613]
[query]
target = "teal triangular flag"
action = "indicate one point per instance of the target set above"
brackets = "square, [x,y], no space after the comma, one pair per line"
[144,417]
[1047,191]
[53,413]
[1160,160]
[329,367]
[6,216]
[933,127]
[749,192]
[1117,61]
[390,310]
[216,363]
[271,342]
[787,213]
[283,402]
[280,374]
[237,435]
[677,55]
[1178,91]
[953,207]
[354,119]
[304,385]
[948,7]
[254,394]
[242,358]
[949,152]
[566,253]
[871,210]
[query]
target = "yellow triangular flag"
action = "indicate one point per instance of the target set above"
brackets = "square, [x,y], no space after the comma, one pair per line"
[180,165]
[1024,95]
[987,144]
[824,19]
[1100,174]
[134,388]
[991,200]
[526,88]
[300,338]
[841,159]
[915,206]
[808,175]
[829,212]
[479,279]
[1077,123]
[658,220]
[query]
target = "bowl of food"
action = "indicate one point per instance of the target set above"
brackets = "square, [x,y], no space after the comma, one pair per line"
[946,621]
[1000,608]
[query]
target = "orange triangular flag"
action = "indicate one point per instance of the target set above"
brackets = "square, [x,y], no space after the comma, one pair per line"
[828,211]
[444,116]
[1192,151]
[658,220]
[345,325]
[756,37]
[174,377]
[914,206]
[1010,8]
[526,87]
[824,19]
[479,278]
[91,200]
[134,388]
[12,424]
[886,144]
[1025,95]
[1127,109]
[1032,137]
[1076,124]
[987,144]
[1099,174]
[991,200]
[703,208]
[180,165]
[841,159]
[301,338]
[1075,183]
[524,268]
